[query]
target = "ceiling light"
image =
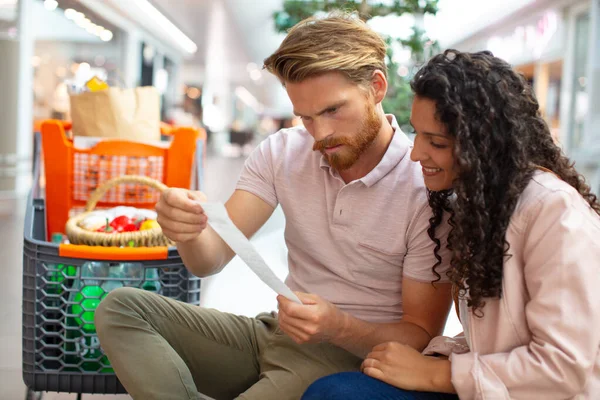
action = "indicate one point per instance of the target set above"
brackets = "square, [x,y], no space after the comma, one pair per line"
[70,13]
[50,5]
[106,35]
[83,22]
[148,54]
[167,25]
[84,68]
[255,75]
[251,67]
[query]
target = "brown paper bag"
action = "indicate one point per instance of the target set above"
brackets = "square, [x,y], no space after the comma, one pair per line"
[117,113]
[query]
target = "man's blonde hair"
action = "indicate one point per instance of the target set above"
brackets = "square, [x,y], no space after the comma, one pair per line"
[340,42]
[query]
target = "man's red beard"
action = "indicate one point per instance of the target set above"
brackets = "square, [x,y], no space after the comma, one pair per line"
[354,146]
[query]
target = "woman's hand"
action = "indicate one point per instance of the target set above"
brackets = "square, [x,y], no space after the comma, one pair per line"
[404,367]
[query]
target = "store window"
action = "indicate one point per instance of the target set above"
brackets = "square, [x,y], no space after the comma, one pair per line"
[72,44]
[147,71]
[8,19]
[580,98]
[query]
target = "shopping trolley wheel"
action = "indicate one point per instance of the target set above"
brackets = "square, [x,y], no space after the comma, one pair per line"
[31,395]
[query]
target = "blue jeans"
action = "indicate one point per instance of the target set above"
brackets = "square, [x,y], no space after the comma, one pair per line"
[358,386]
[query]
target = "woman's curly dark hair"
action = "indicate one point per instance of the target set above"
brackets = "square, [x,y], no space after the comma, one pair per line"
[500,141]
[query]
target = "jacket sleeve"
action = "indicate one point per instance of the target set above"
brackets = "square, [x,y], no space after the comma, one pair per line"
[446,345]
[561,258]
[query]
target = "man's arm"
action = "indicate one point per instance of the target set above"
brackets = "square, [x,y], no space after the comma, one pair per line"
[202,250]
[426,308]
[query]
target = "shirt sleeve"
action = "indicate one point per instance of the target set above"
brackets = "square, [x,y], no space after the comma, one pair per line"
[420,257]
[561,258]
[258,174]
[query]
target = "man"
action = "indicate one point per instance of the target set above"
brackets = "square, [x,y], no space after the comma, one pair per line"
[360,258]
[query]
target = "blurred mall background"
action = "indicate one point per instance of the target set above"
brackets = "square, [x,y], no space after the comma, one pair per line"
[205,59]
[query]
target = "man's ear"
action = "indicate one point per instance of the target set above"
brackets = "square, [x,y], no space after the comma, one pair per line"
[379,86]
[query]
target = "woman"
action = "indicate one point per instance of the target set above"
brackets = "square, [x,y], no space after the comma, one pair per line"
[526,249]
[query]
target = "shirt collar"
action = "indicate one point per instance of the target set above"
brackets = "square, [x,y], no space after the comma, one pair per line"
[395,152]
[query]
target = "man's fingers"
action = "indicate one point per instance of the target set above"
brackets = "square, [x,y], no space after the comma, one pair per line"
[179,215]
[179,198]
[288,321]
[294,333]
[179,227]
[295,310]
[196,195]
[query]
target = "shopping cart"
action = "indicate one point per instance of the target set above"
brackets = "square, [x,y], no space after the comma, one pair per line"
[64,283]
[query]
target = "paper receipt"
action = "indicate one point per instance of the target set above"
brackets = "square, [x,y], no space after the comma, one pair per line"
[219,220]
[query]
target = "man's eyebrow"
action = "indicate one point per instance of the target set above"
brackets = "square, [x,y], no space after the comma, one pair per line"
[323,111]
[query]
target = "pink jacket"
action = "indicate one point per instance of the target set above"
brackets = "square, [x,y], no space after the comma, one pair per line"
[541,340]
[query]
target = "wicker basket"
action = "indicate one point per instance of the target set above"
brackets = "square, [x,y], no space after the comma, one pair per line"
[146,238]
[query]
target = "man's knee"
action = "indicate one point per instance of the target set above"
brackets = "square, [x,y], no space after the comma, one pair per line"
[117,301]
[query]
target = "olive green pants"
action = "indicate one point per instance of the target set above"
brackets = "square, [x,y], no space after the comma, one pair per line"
[164,349]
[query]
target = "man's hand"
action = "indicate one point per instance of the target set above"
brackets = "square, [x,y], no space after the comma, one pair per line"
[314,321]
[180,215]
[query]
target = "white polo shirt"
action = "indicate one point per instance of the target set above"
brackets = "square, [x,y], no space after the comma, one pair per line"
[350,243]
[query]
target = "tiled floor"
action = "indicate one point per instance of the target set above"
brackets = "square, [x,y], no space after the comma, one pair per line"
[235,289]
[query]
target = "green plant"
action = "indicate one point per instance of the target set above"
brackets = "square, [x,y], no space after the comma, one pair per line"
[399,98]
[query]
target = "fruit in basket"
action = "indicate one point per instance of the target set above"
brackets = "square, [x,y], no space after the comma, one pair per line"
[94,222]
[119,219]
[106,228]
[123,223]
[149,224]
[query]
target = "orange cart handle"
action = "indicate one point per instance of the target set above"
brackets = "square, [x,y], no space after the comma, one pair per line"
[113,253]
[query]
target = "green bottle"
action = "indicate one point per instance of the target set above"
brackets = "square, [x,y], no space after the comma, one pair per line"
[83,352]
[152,281]
[57,274]
[59,277]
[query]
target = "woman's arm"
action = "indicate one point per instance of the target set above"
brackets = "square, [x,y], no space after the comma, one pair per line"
[562,275]
[561,256]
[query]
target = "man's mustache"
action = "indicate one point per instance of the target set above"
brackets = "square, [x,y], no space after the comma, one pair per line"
[329,142]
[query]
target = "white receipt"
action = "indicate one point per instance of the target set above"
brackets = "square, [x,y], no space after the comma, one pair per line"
[219,220]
